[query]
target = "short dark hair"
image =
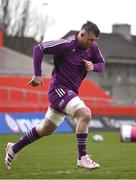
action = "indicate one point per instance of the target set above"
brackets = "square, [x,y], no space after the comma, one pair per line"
[91,27]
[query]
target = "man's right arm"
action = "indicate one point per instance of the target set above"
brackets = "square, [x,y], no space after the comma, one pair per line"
[37,61]
[50,47]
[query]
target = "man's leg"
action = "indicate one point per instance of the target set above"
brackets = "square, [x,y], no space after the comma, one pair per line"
[52,120]
[84,116]
[34,134]
[79,110]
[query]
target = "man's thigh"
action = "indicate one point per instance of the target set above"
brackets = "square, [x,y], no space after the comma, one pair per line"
[54,116]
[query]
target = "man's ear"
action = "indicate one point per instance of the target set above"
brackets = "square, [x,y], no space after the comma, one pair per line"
[82,34]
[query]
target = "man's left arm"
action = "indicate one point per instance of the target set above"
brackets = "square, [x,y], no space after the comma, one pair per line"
[97,60]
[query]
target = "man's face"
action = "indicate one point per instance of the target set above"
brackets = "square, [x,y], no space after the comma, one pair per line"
[86,39]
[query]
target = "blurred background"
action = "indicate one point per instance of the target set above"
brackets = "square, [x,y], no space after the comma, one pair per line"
[110,95]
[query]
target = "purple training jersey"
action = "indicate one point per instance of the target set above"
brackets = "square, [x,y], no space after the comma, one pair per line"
[69,68]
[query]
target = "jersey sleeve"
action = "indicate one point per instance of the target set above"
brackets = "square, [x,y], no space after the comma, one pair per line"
[55,47]
[97,59]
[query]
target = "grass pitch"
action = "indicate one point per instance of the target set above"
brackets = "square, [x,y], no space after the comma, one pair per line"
[54,157]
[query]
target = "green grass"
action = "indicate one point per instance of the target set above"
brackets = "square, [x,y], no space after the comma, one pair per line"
[54,157]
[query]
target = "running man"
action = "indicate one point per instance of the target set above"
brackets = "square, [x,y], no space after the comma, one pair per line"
[73,58]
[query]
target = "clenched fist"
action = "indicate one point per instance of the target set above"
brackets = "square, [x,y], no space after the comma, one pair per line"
[88,65]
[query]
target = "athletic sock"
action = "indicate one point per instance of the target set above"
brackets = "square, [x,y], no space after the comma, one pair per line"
[28,138]
[81,144]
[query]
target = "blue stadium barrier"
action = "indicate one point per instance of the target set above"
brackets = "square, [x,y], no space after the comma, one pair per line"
[18,123]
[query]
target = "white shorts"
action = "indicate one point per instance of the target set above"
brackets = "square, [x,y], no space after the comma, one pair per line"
[57,117]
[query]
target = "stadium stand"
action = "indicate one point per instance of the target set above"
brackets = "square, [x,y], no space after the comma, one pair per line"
[17,96]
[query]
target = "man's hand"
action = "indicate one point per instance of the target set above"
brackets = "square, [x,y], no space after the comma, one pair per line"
[36,81]
[88,65]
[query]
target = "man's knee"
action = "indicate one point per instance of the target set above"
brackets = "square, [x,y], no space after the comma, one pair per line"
[86,115]
[83,114]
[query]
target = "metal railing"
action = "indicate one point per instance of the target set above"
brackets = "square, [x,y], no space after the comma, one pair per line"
[92,101]
[24,92]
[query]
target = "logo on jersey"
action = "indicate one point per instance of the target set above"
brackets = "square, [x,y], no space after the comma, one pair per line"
[69,93]
[61,103]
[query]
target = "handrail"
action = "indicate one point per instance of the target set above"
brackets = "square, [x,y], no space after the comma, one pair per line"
[93,101]
[24,93]
[22,89]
